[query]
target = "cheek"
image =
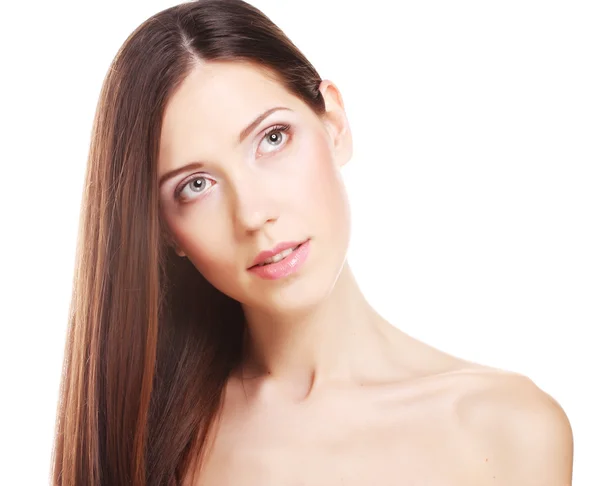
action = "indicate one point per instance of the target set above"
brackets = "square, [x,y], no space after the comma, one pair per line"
[216,261]
[203,239]
[320,185]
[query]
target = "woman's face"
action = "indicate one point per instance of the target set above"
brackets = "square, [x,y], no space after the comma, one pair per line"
[238,191]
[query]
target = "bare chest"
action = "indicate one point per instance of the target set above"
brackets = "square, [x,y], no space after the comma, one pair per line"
[358,444]
[349,465]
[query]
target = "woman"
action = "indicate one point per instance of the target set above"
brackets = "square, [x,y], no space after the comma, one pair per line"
[217,335]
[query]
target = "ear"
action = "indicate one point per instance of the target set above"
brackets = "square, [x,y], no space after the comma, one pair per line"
[170,240]
[176,248]
[336,122]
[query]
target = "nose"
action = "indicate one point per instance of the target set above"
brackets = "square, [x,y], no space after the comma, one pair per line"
[254,204]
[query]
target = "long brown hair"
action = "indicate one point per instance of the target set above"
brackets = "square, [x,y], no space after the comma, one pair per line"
[150,342]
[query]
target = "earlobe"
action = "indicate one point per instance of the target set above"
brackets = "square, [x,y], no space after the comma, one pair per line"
[173,244]
[336,122]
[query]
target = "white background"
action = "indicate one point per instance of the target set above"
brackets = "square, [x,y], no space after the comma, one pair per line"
[474,185]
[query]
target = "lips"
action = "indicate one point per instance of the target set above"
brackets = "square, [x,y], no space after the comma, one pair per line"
[284,264]
[265,255]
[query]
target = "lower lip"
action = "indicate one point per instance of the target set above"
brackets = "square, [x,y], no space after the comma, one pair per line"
[290,264]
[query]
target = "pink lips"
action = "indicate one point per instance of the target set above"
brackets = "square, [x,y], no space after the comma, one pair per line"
[263,255]
[282,268]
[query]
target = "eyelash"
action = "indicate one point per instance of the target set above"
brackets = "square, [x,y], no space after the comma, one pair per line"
[275,128]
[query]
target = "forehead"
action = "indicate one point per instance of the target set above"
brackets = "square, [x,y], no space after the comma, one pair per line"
[213,103]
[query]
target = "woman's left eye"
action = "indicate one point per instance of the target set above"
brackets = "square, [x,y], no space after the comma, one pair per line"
[275,137]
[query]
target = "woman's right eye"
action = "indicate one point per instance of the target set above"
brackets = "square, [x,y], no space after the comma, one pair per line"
[191,187]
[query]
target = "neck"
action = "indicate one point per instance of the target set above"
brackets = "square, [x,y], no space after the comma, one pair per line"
[342,340]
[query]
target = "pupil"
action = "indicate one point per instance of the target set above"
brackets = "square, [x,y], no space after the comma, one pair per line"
[274,137]
[198,183]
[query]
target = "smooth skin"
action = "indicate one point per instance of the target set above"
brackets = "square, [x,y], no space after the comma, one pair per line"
[329,392]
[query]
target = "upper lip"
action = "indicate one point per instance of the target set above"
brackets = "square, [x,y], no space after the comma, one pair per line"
[263,255]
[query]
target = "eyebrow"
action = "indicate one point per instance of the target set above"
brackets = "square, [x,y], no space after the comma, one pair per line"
[242,136]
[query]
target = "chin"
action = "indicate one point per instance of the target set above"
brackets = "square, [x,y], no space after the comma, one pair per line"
[295,293]
[298,293]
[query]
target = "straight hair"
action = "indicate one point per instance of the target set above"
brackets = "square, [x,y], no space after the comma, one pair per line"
[150,343]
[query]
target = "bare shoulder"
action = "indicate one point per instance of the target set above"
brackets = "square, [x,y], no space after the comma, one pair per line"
[505,429]
[512,432]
